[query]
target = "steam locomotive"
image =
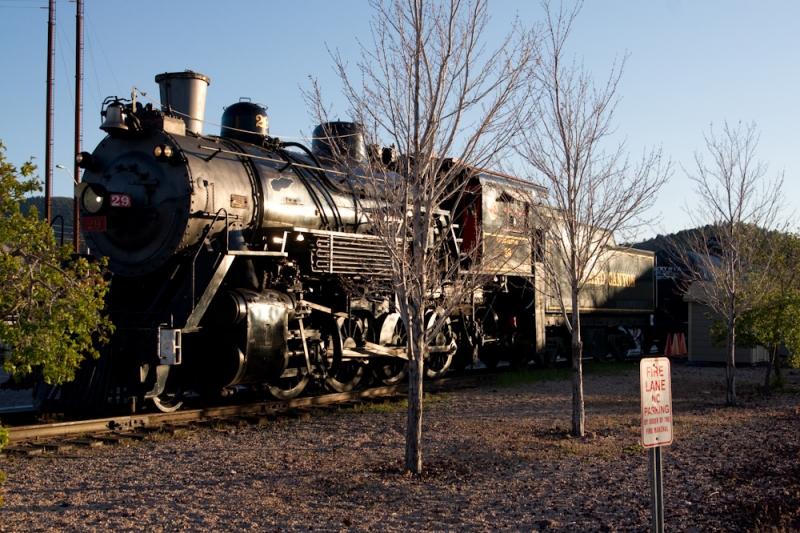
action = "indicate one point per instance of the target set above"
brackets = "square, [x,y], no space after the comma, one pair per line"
[241,262]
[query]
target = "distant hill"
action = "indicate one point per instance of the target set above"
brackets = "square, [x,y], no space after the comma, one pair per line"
[59,205]
[667,242]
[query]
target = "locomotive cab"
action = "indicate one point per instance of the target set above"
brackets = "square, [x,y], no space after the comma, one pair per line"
[495,221]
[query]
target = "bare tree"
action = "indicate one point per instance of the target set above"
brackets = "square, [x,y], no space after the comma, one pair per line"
[732,252]
[593,193]
[428,86]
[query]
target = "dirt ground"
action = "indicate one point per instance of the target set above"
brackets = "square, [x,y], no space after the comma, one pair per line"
[497,458]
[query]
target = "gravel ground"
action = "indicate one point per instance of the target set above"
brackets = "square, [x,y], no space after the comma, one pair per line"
[496,459]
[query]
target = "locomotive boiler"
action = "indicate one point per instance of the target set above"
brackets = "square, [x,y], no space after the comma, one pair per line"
[240,262]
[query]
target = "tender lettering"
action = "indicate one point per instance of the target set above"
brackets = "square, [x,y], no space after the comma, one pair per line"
[612,279]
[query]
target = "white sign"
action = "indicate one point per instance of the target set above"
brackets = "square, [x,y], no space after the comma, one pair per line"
[656,388]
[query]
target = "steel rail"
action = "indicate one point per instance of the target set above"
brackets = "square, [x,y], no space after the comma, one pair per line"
[122,423]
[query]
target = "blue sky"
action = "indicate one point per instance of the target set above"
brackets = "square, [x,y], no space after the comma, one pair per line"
[692,63]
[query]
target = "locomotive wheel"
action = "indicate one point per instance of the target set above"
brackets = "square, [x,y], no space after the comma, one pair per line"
[616,349]
[551,354]
[465,356]
[392,333]
[437,364]
[523,348]
[169,403]
[346,377]
[547,358]
[392,372]
[345,374]
[518,357]
[290,385]
[652,346]
[488,357]
[441,350]
[608,355]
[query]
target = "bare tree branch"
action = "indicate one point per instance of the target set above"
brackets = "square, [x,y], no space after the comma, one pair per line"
[731,254]
[430,89]
[593,193]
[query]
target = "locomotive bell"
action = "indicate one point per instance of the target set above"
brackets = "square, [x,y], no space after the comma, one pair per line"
[245,121]
[338,142]
[114,117]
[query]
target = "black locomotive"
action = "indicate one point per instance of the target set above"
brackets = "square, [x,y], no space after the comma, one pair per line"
[241,262]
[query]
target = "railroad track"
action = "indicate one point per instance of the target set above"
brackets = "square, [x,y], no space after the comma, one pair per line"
[124,428]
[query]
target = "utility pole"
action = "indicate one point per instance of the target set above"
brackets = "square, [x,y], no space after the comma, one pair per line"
[78,117]
[48,158]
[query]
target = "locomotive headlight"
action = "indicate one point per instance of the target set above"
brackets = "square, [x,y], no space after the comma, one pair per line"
[162,152]
[84,159]
[92,201]
[93,198]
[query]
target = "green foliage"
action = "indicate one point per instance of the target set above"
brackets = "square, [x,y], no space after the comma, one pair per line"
[779,382]
[383,408]
[719,335]
[50,302]
[633,449]
[775,321]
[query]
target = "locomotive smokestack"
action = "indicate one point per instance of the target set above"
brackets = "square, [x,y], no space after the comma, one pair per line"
[184,94]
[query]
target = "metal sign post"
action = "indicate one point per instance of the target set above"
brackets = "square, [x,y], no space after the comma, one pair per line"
[656,490]
[656,394]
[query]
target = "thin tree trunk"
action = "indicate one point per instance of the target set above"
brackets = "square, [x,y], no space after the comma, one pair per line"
[730,369]
[773,354]
[416,349]
[416,324]
[776,365]
[578,413]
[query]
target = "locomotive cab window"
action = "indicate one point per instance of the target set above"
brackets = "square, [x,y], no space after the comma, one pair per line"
[513,212]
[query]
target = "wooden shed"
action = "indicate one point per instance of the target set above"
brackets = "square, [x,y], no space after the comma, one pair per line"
[700,346]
